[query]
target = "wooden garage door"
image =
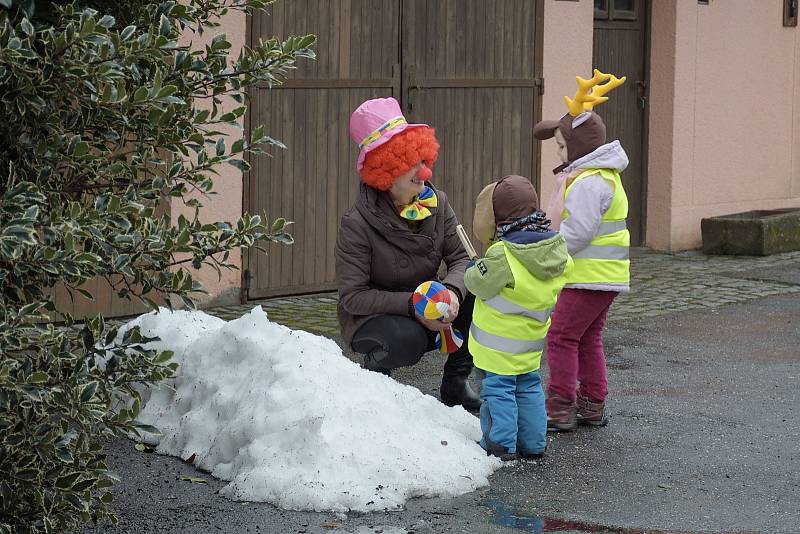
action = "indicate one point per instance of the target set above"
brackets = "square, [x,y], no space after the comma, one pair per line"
[466,67]
[470,71]
[314,180]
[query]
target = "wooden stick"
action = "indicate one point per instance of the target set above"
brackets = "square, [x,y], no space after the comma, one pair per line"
[462,235]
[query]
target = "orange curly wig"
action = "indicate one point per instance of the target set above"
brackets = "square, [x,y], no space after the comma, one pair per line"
[395,158]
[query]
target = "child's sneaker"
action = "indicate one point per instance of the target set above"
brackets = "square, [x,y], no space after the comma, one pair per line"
[560,414]
[531,455]
[497,450]
[591,413]
[509,456]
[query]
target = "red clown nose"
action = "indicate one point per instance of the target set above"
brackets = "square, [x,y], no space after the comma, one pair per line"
[425,173]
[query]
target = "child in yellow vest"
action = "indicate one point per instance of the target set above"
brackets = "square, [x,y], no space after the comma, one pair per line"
[516,284]
[588,208]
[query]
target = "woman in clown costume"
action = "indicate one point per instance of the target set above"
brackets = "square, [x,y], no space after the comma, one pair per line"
[395,236]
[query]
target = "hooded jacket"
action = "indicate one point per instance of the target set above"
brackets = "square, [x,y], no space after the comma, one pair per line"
[507,335]
[588,200]
[544,255]
[380,260]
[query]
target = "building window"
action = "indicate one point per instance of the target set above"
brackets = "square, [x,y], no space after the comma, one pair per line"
[624,10]
[616,9]
[601,9]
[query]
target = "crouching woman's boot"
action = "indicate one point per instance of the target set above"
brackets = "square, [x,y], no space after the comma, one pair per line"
[456,390]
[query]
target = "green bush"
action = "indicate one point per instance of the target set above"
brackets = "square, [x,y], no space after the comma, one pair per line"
[101,122]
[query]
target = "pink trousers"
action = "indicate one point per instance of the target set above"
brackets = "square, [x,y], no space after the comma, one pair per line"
[575,345]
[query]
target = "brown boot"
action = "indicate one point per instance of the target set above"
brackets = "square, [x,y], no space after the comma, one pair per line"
[591,413]
[561,414]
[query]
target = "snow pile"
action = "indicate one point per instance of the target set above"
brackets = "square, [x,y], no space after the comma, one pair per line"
[287,419]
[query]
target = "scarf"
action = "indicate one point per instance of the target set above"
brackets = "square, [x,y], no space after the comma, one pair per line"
[418,208]
[535,222]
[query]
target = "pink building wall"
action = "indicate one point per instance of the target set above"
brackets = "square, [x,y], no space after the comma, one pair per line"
[226,205]
[567,53]
[724,119]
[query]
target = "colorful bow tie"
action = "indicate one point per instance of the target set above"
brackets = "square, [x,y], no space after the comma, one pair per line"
[418,208]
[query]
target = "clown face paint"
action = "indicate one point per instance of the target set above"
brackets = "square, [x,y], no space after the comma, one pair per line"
[407,185]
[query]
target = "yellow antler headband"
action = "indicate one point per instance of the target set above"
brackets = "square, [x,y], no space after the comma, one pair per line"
[584,100]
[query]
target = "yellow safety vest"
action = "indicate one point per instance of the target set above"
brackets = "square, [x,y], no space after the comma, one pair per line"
[508,331]
[606,259]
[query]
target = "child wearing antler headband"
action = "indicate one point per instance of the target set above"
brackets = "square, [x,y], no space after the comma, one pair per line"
[588,208]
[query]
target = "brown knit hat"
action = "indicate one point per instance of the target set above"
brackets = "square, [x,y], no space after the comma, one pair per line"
[583,134]
[501,202]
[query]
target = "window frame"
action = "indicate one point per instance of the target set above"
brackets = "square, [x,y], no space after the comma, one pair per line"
[602,14]
[624,14]
[790,12]
[610,13]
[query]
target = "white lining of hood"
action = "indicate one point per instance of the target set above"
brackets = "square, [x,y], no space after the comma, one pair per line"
[608,156]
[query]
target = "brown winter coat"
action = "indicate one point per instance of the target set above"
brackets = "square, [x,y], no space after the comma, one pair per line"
[380,260]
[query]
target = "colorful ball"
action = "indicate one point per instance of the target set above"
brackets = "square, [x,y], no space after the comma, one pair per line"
[431,300]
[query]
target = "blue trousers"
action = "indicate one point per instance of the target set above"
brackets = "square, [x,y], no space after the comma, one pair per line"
[513,415]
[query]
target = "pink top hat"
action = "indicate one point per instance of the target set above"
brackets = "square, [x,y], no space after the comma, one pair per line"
[374,122]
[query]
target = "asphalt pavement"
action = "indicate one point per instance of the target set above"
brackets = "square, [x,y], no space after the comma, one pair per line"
[704,436]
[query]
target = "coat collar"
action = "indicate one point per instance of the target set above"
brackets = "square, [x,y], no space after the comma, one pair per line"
[379,211]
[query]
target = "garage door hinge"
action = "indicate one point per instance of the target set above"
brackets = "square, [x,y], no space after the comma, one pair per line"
[539,83]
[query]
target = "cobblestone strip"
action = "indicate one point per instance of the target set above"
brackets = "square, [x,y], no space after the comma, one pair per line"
[314,313]
[660,284]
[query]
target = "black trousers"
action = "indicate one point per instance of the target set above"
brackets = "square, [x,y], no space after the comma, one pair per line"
[392,341]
